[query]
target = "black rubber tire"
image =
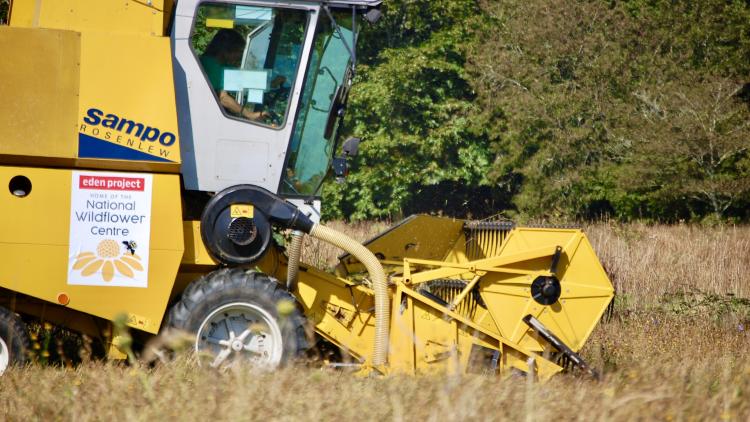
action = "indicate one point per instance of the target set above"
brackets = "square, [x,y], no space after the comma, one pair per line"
[229,285]
[14,335]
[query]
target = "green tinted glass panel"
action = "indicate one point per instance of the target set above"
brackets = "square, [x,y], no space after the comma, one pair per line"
[310,152]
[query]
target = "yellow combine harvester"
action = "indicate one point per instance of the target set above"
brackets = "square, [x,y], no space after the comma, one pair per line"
[149,148]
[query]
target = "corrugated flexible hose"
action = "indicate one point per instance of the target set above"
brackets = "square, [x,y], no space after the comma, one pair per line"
[295,250]
[379,285]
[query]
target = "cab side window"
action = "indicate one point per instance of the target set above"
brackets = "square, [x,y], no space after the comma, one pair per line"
[250,56]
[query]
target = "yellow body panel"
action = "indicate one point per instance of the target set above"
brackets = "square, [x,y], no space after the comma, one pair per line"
[195,251]
[40,87]
[113,16]
[407,240]
[340,311]
[92,86]
[132,86]
[34,244]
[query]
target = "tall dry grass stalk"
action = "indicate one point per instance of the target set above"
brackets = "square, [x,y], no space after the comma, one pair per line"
[654,369]
[325,255]
[647,261]
[661,360]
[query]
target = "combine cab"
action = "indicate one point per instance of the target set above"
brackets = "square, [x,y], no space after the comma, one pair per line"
[151,149]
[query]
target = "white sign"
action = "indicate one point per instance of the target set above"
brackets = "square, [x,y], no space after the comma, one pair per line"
[110,229]
[236,80]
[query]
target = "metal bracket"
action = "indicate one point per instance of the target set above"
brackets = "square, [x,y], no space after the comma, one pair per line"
[555,260]
[464,292]
[558,344]
[351,49]
[341,314]
[435,352]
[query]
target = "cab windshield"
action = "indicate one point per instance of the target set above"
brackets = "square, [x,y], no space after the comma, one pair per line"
[310,151]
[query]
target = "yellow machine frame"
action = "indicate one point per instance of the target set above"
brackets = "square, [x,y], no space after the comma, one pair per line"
[427,336]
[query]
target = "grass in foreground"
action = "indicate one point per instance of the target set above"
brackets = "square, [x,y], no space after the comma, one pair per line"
[677,349]
[656,366]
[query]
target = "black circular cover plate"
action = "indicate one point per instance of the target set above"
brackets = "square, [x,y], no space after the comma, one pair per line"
[234,240]
[546,290]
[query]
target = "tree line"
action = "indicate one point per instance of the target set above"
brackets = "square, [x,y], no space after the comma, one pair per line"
[572,110]
[631,109]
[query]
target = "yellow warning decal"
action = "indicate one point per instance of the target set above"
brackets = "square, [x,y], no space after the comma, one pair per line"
[137,321]
[242,210]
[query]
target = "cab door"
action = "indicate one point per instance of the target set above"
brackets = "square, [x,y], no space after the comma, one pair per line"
[238,75]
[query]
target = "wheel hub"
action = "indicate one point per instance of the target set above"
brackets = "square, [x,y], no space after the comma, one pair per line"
[237,345]
[240,332]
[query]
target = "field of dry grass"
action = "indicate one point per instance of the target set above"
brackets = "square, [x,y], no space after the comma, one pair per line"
[678,348]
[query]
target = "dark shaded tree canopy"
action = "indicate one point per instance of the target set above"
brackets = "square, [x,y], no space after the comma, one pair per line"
[4,5]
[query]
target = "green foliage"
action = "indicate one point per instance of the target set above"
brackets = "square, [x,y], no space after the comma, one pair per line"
[633,109]
[710,35]
[4,6]
[559,110]
[415,109]
[551,86]
[695,303]
[702,170]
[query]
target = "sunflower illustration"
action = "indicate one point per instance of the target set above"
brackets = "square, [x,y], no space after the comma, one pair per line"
[108,258]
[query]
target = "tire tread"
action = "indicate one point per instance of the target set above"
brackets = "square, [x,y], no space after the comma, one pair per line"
[211,288]
[13,331]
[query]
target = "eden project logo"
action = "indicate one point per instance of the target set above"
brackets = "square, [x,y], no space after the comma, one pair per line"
[110,228]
